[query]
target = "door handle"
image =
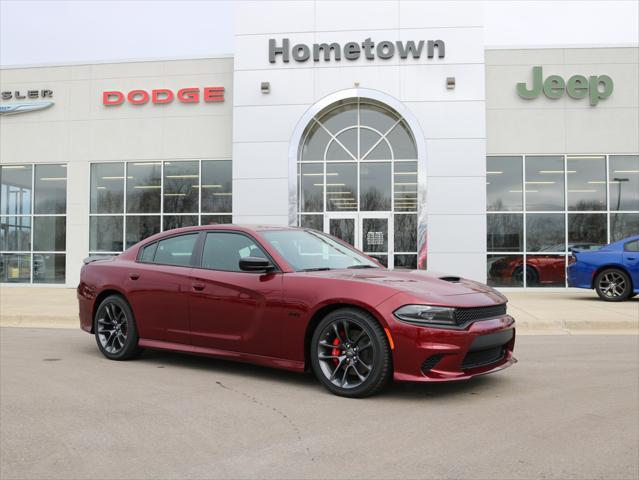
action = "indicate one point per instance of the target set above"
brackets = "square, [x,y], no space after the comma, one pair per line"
[198,287]
[134,275]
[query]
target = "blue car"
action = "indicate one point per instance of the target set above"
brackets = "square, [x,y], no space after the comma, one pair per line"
[613,270]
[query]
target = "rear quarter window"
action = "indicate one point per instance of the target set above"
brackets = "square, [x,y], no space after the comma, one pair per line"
[632,246]
[148,252]
[175,250]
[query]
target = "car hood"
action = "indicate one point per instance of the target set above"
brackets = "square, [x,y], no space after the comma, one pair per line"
[419,283]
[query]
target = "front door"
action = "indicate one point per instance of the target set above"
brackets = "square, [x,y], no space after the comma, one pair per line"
[368,232]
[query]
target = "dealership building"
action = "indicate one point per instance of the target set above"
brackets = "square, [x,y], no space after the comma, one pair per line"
[398,131]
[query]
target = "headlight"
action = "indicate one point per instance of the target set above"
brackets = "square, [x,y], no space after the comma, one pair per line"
[425,315]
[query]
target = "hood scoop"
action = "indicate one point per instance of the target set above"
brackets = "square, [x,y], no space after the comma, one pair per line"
[451,279]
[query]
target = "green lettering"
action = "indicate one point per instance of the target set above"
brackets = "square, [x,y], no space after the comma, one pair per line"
[554,86]
[595,93]
[534,92]
[577,86]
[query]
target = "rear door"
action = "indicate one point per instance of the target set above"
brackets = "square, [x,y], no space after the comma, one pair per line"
[159,284]
[631,261]
[230,309]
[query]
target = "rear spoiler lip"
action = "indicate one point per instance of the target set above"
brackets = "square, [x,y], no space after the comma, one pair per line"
[96,258]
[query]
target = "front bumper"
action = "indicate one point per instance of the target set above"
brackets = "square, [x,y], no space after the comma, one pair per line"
[425,354]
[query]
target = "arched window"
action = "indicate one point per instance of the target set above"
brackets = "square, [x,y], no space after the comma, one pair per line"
[357,179]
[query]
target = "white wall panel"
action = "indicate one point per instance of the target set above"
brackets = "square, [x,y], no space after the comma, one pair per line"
[452,156]
[451,119]
[292,86]
[253,17]
[260,196]
[425,13]
[356,15]
[428,82]
[456,195]
[260,160]
[265,123]
[329,80]
[457,233]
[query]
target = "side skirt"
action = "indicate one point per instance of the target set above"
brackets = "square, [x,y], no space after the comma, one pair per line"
[225,354]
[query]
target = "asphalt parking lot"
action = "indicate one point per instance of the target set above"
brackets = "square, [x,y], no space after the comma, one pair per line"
[567,410]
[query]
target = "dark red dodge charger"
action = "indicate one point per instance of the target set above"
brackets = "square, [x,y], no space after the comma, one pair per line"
[295,299]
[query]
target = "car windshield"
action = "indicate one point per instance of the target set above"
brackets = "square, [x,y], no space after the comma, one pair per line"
[307,250]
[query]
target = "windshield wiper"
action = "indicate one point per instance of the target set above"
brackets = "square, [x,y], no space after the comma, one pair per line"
[362,266]
[318,269]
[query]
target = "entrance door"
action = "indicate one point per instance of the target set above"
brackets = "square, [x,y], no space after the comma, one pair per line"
[343,226]
[368,232]
[375,237]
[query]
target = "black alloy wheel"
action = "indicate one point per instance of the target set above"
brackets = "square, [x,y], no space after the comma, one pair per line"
[350,354]
[115,330]
[613,285]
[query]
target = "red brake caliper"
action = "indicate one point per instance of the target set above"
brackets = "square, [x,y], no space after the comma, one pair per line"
[336,351]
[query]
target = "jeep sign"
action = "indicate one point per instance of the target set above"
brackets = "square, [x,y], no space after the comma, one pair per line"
[596,87]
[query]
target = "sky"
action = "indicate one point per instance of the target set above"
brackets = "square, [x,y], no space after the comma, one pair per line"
[42,32]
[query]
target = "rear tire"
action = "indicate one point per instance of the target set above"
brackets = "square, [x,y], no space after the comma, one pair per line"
[350,354]
[613,285]
[115,331]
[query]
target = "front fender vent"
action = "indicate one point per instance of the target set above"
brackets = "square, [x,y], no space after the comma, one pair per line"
[451,279]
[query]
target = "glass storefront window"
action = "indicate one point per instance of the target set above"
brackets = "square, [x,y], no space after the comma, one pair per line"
[586,182]
[341,189]
[49,234]
[143,185]
[217,186]
[405,185]
[155,196]
[602,193]
[405,226]
[505,232]
[545,232]
[15,189]
[181,181]
[623,225]
[316,222]
[33,203]
[106,233]
[107,188]
[544,183]
[587,229]
[505,270]
[50,189]
[311,184]
[375,186]
[139,227]
[503,184]
[623,173]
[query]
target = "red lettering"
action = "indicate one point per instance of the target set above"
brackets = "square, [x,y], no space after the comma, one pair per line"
[142,97]
[161,95]
[112,98]
[213,94]
[189,95]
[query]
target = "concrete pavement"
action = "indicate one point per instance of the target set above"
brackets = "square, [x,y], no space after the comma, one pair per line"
[567,410]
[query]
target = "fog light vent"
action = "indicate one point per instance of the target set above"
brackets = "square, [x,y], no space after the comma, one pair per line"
[430,363]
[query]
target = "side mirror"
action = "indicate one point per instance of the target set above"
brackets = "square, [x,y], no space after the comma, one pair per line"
[256,264]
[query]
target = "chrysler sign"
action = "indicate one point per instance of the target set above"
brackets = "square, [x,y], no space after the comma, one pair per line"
[163,96]
[29,105]
[353,50]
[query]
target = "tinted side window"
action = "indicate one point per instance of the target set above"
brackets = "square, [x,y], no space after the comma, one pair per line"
[148,252]
[222,251]
[175,250]
[632,246]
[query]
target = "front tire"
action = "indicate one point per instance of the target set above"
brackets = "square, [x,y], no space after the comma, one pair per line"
[350,354]
[613,285]
[115,330]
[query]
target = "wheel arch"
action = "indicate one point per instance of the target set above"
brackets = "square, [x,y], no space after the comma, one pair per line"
[98,300]
[324,310]
[615,266]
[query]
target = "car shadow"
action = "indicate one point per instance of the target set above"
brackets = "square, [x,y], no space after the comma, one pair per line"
[396,390]
[595,298]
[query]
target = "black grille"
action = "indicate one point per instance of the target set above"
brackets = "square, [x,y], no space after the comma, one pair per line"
[481,358]
[464,316]
[430,363]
